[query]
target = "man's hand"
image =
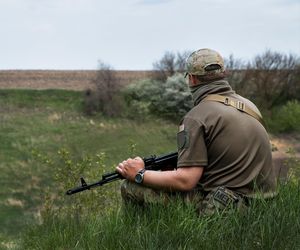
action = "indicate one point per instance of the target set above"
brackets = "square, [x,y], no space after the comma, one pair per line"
[129,168]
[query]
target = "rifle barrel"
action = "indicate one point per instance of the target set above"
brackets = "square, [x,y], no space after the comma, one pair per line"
[151,163]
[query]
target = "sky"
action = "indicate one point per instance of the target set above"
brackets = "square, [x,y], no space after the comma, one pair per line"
[133,34]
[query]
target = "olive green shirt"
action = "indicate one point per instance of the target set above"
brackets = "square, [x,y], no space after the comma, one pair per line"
[232,146]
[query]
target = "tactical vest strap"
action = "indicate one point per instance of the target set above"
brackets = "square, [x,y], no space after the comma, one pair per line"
[241,106]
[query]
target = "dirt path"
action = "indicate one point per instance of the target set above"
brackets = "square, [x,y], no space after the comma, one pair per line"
[283,145]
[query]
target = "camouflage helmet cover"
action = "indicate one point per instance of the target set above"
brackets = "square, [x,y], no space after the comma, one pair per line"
[205,62]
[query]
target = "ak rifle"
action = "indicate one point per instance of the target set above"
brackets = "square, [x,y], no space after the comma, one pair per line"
[156,163]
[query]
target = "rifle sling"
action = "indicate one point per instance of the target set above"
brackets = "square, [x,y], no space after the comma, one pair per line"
[239,105]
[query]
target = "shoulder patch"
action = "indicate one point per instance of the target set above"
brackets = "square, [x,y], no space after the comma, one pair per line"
[182,139]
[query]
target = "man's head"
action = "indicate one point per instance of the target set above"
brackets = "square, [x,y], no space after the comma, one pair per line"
[205,65]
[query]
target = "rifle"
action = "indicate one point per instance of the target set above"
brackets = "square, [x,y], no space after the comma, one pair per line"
[167,161]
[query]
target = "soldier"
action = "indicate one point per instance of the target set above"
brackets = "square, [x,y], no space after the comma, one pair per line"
[224,153]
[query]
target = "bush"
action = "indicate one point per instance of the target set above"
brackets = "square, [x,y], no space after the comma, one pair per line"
[176,99]
[170,99]
[67,170]
[269,80]
[104,96]
[286,118]
[140,95]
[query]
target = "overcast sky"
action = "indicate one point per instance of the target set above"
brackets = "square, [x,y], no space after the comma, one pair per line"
[132,34]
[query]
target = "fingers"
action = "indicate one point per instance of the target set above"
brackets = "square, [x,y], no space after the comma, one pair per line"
[128,168]
[122,168]
[130,162]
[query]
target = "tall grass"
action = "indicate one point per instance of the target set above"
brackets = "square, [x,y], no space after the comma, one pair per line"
[265,225]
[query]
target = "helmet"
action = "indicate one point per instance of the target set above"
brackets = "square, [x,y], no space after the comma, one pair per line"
[205,62]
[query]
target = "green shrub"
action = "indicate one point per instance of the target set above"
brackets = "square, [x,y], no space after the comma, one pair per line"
[67,170]
[286,118]
[104,96]
[141,95]
[170,99]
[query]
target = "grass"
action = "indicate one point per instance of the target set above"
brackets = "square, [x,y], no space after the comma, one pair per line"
[35,125]
[46,121]
[266,225]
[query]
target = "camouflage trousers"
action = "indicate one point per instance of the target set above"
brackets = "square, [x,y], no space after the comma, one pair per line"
[219,200]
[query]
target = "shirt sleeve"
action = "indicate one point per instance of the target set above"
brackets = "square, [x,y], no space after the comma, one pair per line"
[191,144]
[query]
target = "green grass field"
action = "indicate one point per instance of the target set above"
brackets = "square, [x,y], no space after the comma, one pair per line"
[36,214]
[47,121]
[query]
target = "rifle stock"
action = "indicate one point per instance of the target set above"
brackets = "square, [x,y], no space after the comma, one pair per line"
[153,162]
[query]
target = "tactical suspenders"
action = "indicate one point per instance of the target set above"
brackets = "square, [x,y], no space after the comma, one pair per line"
[239,105]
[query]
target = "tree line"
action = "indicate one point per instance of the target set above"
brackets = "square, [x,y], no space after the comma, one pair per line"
[270,80]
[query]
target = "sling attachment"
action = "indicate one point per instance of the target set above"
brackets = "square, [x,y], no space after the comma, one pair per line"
[241,106]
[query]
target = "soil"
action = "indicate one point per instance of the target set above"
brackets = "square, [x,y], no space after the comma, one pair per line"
[285,147]
[63,79]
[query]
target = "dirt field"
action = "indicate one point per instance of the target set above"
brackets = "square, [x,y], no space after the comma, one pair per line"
[61,79]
